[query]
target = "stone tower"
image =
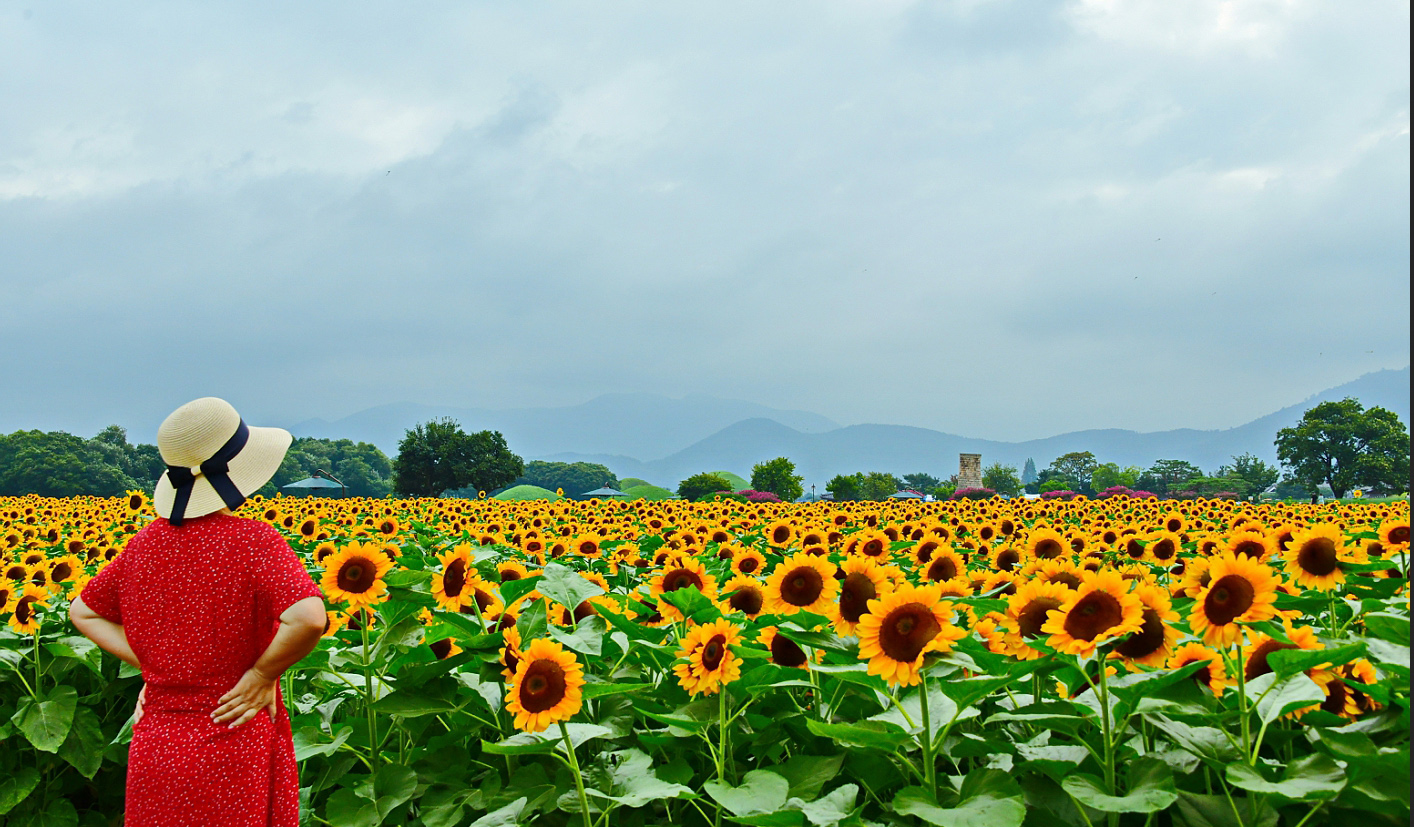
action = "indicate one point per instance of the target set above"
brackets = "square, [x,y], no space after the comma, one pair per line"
[969,471]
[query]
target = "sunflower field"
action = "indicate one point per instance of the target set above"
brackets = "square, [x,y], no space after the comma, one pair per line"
[968,664]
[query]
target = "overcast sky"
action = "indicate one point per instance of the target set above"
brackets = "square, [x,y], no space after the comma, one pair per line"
[998,219]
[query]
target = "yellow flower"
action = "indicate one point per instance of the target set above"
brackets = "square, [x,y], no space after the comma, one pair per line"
[802,583]
[901,628]
[1314,555]
[710,662]
[1102,608]
[546,688]
[355,575]
[25,617]
[1239,590]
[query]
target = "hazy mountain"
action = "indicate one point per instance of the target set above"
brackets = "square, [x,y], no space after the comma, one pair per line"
[634,425]
[901,449]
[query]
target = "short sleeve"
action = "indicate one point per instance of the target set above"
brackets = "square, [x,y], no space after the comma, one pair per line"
[280,578]
[103,593]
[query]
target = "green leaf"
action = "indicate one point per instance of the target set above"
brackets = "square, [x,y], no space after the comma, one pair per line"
[967,692]
[564,586]
[17,787]
[1288,662]
[60,813]
[1310,778]
[530,743]
[1151,789]
[815,640]
[1387,626]
[833,808]
[808,774]
[514,590]
[761,791]
[1389,654]
[635,631]
[989,798]
[587,637]
[403,634]
[84,745]
[693,604]
[345,809]
[531,622]
[600,690]
[391,786]
[1207,743]
[1198,810]
[865,735]
[506,816]
[635,784]
[1279,696]
[311,741]
[45,723]
[412,703]
[941,710]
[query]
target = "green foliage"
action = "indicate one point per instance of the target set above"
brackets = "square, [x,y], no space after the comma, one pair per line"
[873,485]
[364,470]
[699,485]
[737,481]
[629,482]
[1001,479]
[439,456]
[1074,469]
[778,477]
[1345,446]
[844,487]
[1258,474]
[1109,474]
[527,492]
[59,464]
[574,478]
[1028,472]
[1168,475]
[922,483]
[647,492]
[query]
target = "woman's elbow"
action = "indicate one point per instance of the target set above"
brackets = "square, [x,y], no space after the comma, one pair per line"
[307,613]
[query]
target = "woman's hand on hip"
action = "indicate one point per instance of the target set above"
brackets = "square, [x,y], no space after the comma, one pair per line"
[141,699]
[252,693]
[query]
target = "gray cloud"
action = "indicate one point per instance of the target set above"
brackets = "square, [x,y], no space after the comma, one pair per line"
[969,216]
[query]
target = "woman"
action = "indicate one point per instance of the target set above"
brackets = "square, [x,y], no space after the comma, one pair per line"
[212,608]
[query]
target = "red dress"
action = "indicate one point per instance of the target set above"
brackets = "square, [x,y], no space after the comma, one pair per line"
[199,605]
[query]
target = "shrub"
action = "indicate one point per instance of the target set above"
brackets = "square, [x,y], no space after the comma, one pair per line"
[751,495]
[1059,494]
[972,494]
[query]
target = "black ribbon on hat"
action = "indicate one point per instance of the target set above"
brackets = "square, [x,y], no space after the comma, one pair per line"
[216,470]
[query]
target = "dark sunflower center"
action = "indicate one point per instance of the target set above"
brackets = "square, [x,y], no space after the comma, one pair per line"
[906,630]
[1317,556]
[1399,534]
[588,549]
[1336,692]
[1251,548]
[63,571]
[1033,616]
[1148,640]
[454,579]
[748,565]
[872,547]
[680,579]
[543,686]
[1134,548]
[942,568]
[855,593]
[1164,549]
[24,610]
[802,586]
[713,651]
[1096,613]
[780,535]
[134,502]
[786,652]
[1049,548]
[748,600]
[1257,664]
[441,648]
[1227,599]
[356,576]
[1007,559]
[508,575]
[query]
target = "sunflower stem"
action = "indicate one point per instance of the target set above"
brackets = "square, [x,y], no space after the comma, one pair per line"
[930,769]
[1106,732]
[578,777]
[1242,707]
[721,735]
[368,696]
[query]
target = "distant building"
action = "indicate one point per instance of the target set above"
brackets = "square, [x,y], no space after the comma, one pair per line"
[969,471]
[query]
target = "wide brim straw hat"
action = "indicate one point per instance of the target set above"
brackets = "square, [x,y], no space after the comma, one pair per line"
[211,452]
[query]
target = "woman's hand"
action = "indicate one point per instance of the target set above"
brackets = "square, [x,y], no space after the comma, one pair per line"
[251,694]
[141,699]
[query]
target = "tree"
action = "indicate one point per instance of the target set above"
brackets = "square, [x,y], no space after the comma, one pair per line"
[439,456]
[778,477]
[845,487]
[922,483]
[1075,468]
[1346,446]
[574,477]
[1028,472]
[59,464]
[364,470]
[877,485]
[700,485]
[1168,474]
[1109,475]
[1001,479]
[1258,474]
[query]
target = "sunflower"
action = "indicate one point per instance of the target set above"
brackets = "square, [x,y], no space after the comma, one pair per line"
[1055,571]
[802,583]
[546,686]
[1026,613]
[863,580]
[784,651]
[355,575]
[1314,555]
[680,573]
[1239,590]
[135,503]
[901,628]
[1261,646]
[745,595]
[871,544]
[1252,543]
[1045,543]
[508,570]
[710,662]
[748,561]
[64,569]
[1162,547]
[945,565]
[7,595]
[449,584]
[334,620]
[1213,676]
[959,586]
[1360,671]
[509,655]
[1156,639]
[779,534]
[444,648]
[1101,609]
[25,617]
[587,545]
[1006,559]
[1395,532]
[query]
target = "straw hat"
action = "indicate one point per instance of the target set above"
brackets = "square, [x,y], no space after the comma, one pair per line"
[214,460]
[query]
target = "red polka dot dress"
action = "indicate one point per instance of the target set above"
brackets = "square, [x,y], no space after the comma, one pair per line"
[199,605]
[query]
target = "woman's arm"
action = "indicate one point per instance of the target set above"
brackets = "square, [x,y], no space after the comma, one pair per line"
[109,636]
[301,627]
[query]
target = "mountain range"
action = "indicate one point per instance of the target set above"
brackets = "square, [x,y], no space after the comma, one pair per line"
[698,433]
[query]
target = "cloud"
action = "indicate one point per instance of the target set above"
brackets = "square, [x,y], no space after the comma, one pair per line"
[970,216]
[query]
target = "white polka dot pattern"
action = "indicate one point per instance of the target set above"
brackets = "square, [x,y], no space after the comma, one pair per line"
[199,605]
